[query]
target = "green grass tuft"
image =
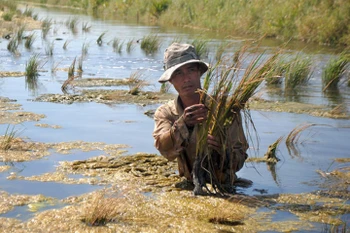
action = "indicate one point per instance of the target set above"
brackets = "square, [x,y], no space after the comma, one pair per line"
[335,69]
[150,43]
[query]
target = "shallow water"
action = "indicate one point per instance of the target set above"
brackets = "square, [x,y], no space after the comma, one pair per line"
[127,124]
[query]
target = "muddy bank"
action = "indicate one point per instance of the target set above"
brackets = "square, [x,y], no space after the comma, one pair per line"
[148,98]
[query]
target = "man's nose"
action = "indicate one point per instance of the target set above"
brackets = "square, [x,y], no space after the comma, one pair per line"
[186,76]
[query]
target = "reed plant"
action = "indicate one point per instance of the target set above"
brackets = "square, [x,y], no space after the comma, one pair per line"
[71,69]
[46,26]
[7,16]
[66,43]
[84,49]
[201,47]
[293,139]
[20,33]
[102,210]
[158,7]
[29,41]
[8,138]
[12,46]
[99,40]
[335,69]
[150,43]
[71,76]
[275,77]
[294,135]
[130,45]
[298,72]
[80,66]
[49,48]
[227,87]
[72,24]
[136,82]
[32,67]
[28,12]
[85,27]
[117,46]
[54,67]
[220,50]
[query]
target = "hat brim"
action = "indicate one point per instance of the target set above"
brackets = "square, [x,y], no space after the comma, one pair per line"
[166,76]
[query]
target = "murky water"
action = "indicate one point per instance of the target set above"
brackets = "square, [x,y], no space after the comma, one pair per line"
[127,124]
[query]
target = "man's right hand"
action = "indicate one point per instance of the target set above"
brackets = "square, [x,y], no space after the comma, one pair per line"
[195,114]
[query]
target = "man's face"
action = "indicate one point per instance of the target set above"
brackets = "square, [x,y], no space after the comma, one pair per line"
[186,79]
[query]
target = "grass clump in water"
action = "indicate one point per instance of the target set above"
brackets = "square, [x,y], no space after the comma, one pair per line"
[130,45]
[85,27]
[150,44]
[32,67]
[29,41]
[117,45]
[99,40]
[72,24]
[298,72]
[335,70]
[12,46]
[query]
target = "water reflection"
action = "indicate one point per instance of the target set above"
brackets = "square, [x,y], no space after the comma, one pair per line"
[271,167]
[31,84]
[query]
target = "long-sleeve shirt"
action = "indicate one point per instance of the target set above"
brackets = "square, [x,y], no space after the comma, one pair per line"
[175,140]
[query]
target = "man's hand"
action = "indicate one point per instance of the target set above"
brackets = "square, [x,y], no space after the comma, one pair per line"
[195,114]
[214,143]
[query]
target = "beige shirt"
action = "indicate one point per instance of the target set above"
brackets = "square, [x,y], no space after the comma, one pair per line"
[174,139]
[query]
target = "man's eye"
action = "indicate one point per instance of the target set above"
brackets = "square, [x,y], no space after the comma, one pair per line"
[177,73]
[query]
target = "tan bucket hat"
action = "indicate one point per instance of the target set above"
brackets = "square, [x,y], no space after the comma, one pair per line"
[177,55]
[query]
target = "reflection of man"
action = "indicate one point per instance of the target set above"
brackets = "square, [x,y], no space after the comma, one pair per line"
[175,121]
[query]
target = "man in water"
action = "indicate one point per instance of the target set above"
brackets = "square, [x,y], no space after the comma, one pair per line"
[175,121]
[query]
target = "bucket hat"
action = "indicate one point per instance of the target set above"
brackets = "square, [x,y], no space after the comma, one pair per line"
[177,55]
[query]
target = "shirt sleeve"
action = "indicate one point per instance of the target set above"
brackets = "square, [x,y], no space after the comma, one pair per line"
[170,133]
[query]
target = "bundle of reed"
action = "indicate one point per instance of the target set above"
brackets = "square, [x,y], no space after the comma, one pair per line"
[226,90]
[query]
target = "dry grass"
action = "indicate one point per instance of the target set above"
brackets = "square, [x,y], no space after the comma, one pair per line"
[294,135]
[9,138]
[71,76]
[103,209]
[136,82]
